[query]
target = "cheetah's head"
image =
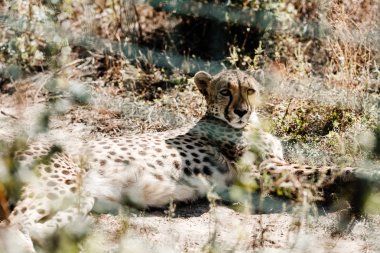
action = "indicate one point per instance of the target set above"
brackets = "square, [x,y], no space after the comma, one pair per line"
[230,95]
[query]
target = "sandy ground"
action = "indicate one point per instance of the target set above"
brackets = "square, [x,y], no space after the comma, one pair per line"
[195,227]
[221,229]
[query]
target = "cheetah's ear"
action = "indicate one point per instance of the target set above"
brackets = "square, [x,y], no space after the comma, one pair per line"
[202,80]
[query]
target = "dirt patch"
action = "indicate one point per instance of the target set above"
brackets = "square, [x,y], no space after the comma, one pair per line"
[223,230]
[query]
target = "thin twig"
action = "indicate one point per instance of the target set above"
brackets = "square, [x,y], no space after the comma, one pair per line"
[117,20]
[121,7]
[69,64]
[138,20]
[8,115]
[49,76]
[41,86]
[287,109]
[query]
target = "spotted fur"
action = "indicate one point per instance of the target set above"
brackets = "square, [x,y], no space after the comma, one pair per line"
[153,169]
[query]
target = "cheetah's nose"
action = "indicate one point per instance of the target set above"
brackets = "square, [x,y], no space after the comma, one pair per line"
[240,112]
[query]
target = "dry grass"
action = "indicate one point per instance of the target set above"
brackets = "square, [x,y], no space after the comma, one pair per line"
[322,96]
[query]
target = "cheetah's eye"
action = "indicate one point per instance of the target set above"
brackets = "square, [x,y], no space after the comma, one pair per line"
[251,92]
[225,92]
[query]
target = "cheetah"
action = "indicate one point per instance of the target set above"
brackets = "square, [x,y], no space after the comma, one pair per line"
[154,169]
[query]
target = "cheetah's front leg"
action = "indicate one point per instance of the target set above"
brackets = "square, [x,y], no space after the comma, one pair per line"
[78,212]
[53,198]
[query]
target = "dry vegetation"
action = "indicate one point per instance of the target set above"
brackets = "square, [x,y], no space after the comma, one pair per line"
[81,69]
